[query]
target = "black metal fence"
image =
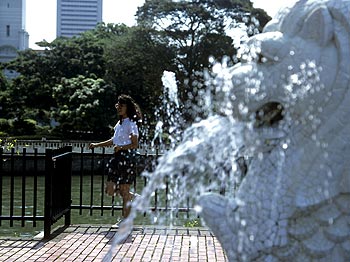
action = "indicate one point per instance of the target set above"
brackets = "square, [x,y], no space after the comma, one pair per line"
[38,186]
[14,203]
[58,165]
[50,198]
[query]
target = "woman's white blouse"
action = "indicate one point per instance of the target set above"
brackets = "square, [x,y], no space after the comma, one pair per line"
[123,132]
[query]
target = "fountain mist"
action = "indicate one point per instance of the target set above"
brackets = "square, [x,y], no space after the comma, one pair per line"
[284,110]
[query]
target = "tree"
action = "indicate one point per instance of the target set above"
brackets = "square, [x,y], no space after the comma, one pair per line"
[3,80]
[4,95]
[83,107]
[196,30]
[80,55]
[135,63]
[177,36]
[127,59]
[31,92]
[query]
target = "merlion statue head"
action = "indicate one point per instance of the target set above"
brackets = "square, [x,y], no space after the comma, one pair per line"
[293,203]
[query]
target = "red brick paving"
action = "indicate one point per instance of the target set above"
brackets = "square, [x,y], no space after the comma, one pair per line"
[91,243]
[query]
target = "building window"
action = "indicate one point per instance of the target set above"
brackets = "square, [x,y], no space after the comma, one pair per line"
[7,30]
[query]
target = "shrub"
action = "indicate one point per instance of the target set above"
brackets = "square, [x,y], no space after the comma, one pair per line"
[5,125]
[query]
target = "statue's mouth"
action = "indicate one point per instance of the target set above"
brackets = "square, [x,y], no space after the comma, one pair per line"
[269,115]
[268,127]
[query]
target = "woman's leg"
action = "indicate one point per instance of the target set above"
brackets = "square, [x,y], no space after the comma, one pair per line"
[127,197]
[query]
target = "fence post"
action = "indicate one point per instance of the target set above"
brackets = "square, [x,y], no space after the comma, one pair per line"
[1,160]
[58,167]
[48,192]
[68,185]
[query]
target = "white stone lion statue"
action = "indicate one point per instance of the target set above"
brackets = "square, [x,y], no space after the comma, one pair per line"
[294,202]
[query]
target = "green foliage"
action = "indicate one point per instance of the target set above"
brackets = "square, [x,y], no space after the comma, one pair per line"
[4,95]
[70,57]
[83,105]
[32,93]
[5,126]
[5,103]
[3,81]
[75,81]
[196,30]
[23,126]
[135,65]
[192,223]
[7,143]
[41,70]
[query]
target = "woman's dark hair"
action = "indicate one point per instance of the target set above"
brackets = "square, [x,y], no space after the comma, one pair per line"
[133,110]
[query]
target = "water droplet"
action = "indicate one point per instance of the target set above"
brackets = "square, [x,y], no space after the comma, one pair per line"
[294,78]
[198,208]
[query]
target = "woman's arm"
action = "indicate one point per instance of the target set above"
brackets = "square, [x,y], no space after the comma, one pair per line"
[108,142]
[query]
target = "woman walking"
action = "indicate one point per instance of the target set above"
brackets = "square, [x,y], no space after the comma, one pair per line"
[121,169]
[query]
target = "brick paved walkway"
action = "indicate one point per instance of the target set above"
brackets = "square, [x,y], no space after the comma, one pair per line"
[91,243]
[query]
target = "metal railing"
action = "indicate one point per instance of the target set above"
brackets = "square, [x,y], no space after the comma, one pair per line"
[48,177]
[16,169]
[58,165]
[11,199]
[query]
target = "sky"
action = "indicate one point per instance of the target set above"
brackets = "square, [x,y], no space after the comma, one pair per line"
[41,15]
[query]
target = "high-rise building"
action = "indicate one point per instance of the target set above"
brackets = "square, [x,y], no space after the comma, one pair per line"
[77,16]
[13,36]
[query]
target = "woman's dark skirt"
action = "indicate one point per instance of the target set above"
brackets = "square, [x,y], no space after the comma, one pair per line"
[121,167]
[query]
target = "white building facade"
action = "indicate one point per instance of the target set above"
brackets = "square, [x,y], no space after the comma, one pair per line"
[13,36]
[77,16]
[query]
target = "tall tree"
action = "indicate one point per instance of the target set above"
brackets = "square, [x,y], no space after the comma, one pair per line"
[128,60]
[196,30]
[4,95]
[3,80]
[83,107]
[39,71]
[135,63]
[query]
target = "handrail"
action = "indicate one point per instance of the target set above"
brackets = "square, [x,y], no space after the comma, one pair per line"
[21,167]
[43,144]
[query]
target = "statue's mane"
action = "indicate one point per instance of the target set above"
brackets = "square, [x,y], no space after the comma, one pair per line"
[337,109]
[290,21]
